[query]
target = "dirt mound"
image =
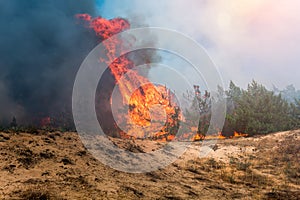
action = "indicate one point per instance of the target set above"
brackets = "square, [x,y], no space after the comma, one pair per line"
[55,165]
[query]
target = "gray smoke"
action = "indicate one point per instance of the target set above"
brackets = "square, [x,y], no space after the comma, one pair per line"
[41,49]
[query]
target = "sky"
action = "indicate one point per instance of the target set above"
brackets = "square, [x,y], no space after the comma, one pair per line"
[257,39]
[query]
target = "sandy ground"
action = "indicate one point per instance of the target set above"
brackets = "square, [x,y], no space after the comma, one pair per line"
[56,165]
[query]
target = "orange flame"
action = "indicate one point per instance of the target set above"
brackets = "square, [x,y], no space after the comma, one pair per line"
[147,95]
[236,134]
[220,136]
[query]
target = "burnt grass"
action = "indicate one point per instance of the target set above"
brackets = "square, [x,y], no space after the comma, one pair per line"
[55,165]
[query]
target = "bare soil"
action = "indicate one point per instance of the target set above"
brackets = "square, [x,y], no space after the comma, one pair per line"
[56,165]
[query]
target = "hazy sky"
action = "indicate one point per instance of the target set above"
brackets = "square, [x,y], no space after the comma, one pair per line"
[247,39]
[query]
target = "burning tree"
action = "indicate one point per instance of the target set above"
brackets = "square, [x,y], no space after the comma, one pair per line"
[139,101]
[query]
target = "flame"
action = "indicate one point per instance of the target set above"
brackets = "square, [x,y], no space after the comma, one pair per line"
[220,136]
[236,134]
[170,137]
[198,137]
[147,95]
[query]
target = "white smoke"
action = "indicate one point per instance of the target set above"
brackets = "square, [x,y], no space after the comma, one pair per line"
[257,39]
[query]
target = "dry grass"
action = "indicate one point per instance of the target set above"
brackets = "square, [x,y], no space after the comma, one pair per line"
[57,166]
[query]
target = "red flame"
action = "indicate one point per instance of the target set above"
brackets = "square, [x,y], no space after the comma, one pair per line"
[105,28]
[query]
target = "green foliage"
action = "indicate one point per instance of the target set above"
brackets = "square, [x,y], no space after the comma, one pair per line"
[295,113]
[253,111]
[234,93]
[257,110]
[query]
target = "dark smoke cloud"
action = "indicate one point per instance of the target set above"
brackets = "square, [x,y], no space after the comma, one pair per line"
[41,49]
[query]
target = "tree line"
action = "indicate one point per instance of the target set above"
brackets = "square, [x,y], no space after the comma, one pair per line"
[255,110]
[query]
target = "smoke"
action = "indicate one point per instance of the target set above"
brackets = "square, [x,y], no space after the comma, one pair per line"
[256,39]
[41,48]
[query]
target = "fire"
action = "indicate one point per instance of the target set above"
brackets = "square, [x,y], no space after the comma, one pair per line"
[198,137]
[139,104]
[236,134]
[220,136]
[147,95]
[105,28]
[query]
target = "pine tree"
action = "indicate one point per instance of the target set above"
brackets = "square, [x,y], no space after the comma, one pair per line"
[259,111]
[295,113]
